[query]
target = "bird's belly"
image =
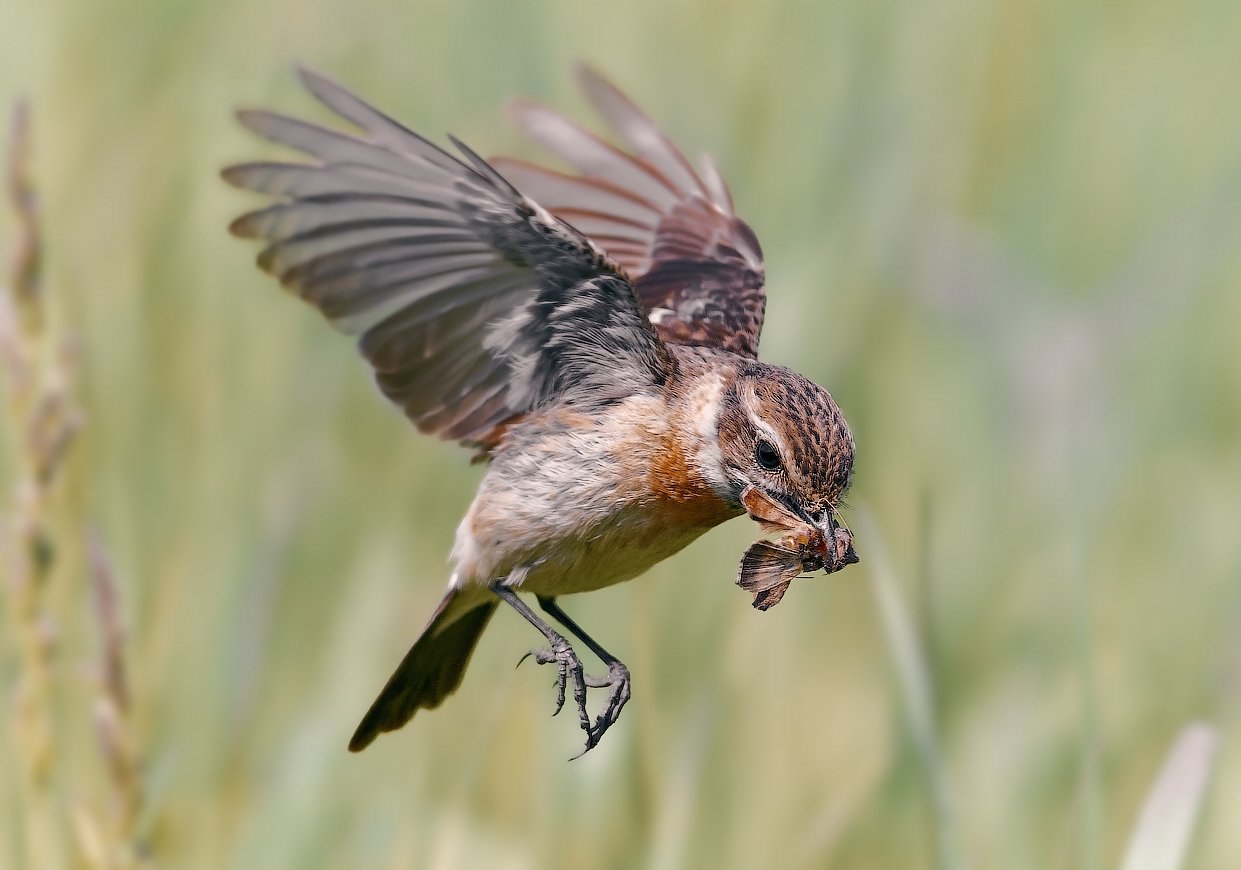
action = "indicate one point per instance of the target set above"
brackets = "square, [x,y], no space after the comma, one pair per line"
[617,551]
[559,558]
[577,503]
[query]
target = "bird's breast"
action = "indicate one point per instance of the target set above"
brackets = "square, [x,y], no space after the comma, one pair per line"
[585,501]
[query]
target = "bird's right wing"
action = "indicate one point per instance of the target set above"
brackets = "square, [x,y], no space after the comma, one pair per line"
[697,267]
[473,304]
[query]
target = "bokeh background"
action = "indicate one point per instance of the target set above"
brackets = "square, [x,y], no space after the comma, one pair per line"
[1004,233]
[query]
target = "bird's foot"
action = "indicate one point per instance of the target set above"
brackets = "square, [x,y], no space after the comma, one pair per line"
[569,669]
[617,681]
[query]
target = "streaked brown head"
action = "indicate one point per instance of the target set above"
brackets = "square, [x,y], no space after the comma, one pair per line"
[785,436]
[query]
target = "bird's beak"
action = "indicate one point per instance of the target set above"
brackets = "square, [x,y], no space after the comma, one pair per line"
[823,542]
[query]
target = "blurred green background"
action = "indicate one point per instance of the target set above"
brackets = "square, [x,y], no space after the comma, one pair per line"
[1004,233]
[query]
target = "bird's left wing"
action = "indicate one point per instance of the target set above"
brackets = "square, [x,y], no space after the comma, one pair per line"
[473,304]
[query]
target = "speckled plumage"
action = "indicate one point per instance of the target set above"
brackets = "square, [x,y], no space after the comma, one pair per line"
[595,335]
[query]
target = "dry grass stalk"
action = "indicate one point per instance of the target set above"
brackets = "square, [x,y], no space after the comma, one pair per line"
[44,423]
[28,546]
[113,724]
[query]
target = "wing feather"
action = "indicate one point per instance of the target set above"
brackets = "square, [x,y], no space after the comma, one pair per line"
[697,268]
[473,304]
[633,127]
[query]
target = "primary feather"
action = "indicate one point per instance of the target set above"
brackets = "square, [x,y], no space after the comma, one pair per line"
[697,268]
[473,304]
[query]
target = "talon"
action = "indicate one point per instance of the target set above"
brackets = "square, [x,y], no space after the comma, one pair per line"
[562,677]
[568,666]
[618,681]
[540,655]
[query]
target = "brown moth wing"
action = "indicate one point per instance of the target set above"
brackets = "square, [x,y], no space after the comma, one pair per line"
[769,514]
[767,569]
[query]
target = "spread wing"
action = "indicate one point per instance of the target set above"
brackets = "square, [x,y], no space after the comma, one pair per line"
[472,303]
[766,571]
[697,268]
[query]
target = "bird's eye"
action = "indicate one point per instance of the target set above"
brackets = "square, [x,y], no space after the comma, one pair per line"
[766,456]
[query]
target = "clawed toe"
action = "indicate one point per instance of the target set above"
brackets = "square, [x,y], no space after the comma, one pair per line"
[617,681]
[541,656]
[569,669]
[569,666]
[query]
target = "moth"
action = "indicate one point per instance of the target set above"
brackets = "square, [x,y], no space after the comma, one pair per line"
[768,567]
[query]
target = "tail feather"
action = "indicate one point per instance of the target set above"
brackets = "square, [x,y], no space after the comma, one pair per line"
[431,670]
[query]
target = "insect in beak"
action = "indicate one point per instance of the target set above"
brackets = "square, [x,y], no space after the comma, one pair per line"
[839,541]
[768,567]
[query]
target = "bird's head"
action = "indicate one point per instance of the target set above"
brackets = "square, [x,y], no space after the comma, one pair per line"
[784,437]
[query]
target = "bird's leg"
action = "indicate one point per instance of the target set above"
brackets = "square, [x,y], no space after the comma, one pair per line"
[617,680]
[558,650]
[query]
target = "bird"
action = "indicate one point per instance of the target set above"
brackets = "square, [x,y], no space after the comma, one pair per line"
[591,332]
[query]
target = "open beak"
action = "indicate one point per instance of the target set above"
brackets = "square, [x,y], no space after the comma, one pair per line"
[820,543]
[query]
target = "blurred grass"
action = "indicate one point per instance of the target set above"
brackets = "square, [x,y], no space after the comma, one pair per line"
[1002,233]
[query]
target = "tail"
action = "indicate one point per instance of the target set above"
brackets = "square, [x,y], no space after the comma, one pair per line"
[432,669]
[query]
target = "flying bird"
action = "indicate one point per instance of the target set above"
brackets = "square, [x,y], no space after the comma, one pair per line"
[591,332]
